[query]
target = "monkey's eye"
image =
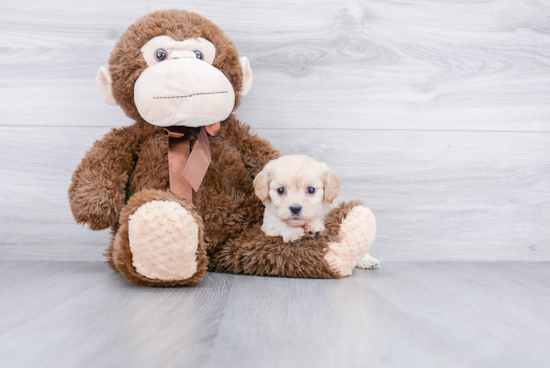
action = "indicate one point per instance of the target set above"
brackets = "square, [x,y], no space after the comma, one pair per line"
[199,54]
[281,191]
[311,190]
[161,55]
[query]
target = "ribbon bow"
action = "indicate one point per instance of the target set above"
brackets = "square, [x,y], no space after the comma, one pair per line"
[188,169]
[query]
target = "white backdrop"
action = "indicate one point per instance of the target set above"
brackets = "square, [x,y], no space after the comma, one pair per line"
[435,113]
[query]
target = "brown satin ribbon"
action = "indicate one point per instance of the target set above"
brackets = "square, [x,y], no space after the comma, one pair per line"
[188,170]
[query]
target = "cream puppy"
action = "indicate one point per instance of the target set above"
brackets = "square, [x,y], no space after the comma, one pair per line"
[297,191]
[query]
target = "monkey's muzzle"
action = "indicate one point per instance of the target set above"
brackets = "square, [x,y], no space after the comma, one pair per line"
[183,92]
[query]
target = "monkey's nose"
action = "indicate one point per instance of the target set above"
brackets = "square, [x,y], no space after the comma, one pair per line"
[295,209]
[178,54]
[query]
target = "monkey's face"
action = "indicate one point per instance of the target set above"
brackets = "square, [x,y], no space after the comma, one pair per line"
[180,85]
[169,82]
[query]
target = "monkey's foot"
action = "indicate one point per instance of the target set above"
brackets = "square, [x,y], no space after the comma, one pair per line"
[357,233]
[164,239]
[160,241]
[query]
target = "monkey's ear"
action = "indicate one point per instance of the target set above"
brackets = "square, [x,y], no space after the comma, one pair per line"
[247,75]
[261,183]
[104,85]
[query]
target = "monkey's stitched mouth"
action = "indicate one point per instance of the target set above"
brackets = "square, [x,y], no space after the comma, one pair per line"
[193,94]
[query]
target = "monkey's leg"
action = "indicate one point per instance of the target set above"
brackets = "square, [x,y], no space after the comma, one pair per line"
[159,241]
[350,230]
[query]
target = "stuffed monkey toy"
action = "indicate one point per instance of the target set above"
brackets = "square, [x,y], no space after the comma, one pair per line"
[176,187]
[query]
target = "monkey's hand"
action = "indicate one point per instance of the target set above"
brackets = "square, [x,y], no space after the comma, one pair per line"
[98,189]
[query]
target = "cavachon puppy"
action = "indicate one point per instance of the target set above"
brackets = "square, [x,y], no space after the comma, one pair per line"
[297,191]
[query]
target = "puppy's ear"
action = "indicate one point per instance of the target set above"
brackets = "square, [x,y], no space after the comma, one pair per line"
[261,183]
[331,184]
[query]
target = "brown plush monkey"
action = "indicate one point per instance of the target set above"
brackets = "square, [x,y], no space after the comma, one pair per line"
[179,70]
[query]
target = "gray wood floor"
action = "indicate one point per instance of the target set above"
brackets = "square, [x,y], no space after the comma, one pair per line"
[81,314]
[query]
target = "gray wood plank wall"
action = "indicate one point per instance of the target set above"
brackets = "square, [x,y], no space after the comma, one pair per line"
[435,114]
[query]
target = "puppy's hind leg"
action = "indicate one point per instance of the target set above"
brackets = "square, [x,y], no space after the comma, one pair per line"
[368,262]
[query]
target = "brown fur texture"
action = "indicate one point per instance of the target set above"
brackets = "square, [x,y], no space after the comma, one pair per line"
[129,167]
[98,189]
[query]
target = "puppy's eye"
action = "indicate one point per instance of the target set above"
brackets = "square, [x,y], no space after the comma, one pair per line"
[161,55]
[199,54]
[281,191]
[311,190]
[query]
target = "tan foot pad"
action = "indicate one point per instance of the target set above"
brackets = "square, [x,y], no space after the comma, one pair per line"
[164,239]
[357,234]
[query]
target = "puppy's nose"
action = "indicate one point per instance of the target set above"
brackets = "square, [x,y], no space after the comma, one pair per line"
[295,209]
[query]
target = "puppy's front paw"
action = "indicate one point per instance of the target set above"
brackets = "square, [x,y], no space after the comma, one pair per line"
[293,234]
[314,227]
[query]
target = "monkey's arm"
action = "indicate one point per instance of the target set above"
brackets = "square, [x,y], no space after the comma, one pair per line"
[98,188]
[255,151]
